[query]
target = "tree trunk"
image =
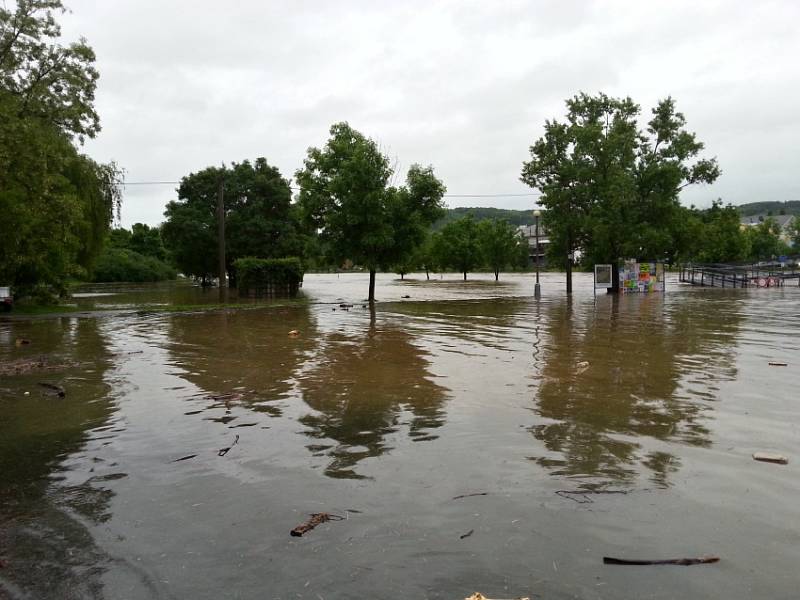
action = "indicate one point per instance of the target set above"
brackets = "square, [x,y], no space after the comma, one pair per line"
[465,275]
[497,275]
[402,276]
[427,275]
[371,286]
[569,275]
[614,289]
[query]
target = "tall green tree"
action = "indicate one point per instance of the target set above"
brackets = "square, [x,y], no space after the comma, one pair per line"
[345,195]
[56,204]
[458,245]
[501,245]
[718,236]
[260,219]
[610,188]
[765,240]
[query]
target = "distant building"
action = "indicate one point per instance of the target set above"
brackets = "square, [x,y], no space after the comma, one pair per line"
[529,233]
[783,221]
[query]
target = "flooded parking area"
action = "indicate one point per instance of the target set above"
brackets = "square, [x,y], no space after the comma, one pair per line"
[470,438]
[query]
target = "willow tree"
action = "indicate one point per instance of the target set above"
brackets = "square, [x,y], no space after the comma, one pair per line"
[611,188]
[345,196]
[56,204]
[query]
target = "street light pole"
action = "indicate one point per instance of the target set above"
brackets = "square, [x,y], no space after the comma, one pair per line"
[537,292]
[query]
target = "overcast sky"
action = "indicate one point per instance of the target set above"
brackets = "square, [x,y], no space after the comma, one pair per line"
[464,86]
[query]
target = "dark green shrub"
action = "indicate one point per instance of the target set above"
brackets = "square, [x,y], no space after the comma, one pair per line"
[119,264]
[268,276]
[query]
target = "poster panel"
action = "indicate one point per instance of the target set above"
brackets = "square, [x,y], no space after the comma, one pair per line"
[602,277]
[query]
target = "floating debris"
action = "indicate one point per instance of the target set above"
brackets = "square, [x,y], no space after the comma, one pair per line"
[703,560]
[466,535]
[53,389]
[479,596]
[470,495]
[224,451]
[21,342]
[294,333]
[769,457]
[581,496]
[316,519]
[184,458]
[778,364]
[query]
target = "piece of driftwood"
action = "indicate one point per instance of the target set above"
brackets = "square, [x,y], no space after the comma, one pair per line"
[479,596]
[703,560]
[224,451]
[778,364]
[470,495]
[184,458]
[777,459]
[466,535]
[316,519]
[54,389]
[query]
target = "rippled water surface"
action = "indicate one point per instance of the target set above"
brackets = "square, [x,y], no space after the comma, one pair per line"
[472,438]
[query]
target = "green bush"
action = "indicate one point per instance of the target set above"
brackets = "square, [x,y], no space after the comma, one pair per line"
[265,274]
[119,264]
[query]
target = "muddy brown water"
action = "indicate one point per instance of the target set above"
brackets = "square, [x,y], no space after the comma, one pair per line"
[461,389]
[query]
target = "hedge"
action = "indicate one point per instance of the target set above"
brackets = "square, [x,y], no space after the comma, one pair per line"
[268,276]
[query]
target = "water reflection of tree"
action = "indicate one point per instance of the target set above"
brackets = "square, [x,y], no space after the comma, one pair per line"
[365,388]
[610,379]
[251,352]
[43,534]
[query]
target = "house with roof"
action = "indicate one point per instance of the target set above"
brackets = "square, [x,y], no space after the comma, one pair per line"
[783,221]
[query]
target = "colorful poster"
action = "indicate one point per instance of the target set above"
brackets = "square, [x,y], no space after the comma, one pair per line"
[642,278]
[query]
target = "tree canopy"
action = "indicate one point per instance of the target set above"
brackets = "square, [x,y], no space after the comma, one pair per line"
[611,188]
[260,220]
[345,195]
[57,204]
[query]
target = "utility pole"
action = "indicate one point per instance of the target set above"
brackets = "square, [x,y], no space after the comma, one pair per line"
[537,292]
[221,239]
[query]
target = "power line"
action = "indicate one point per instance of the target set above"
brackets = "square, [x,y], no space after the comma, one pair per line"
[514,195]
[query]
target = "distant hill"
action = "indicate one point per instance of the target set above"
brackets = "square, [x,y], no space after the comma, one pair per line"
[479,213]
[790,207]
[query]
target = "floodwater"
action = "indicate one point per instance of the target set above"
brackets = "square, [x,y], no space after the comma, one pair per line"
[526,409]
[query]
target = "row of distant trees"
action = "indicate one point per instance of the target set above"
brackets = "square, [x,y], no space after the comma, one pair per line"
[610,188]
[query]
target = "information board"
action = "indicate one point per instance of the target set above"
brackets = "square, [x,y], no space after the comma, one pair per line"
[602,277]
[641,278]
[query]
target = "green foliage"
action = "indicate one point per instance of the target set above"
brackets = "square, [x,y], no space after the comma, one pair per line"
[482,213]
[793,231]
[716,235]
[501,245]
[765,241]
[121,264]
[260,220]
[261,273]
[345,196]
[133,256]
[458,246]
[611,189]
[57,204]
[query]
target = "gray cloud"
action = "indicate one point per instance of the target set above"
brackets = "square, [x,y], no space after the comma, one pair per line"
[463,86]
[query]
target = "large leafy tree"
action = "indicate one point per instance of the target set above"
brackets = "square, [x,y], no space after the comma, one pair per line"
[501,245]
[717,234]
[458,245]
[260,220]
[56,204]
[345,195]
[611,188]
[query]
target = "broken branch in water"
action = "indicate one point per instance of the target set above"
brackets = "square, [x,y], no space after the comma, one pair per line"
[184,458]
[57,389]
[466,535]
[224,451]
[469,495]
[703,560]
[479,596]
[316,519]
